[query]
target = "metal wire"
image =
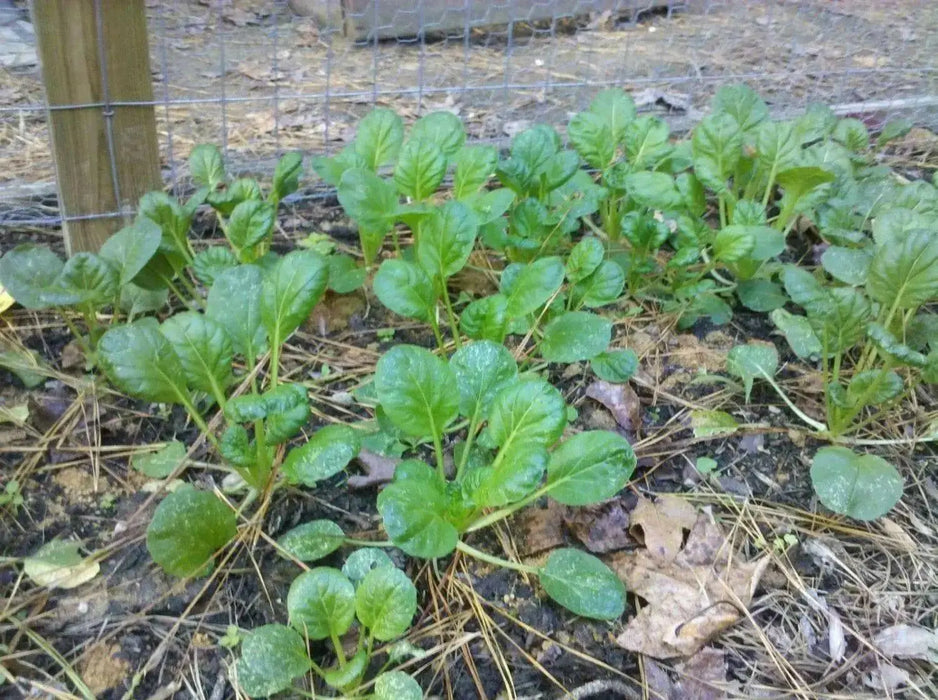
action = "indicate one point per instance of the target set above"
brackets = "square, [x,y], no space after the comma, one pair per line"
[260,80]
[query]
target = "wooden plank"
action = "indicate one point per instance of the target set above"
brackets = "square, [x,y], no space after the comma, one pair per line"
[67,34]
[388,19]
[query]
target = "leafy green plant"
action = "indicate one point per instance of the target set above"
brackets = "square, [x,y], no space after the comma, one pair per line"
[512,427]
[324,603]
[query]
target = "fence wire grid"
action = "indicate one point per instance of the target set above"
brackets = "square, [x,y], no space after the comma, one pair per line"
[259,79]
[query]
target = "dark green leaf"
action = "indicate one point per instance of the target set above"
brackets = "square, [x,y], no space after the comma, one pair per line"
[163,462]
[743,104]
[486,318]
[890,346]
[290,291]
[849,265]
[527,412]
[236,448]
[873,387]
[716,146]
[616,366]
[312,541]
[584,258]
[529,286]
[575,336]
[361,561]
[447,239]
[327,453]
[131,248]
[203,349]
[475,166]
[321,603]
[733,243]
[332,169]
[234,303]
[443,128]
[415,389]
[863,487]
[904,275]
[287,175]
[602,287]
[646,141]
[761,295]
[141,362]
[405,289]
[86,279]
[583,584]
[385,602]
[251,222]
[482,369]
[368,199]
[26,271]
[414,514]
[654,190]
[171,217]
[272,656]
[420,168]
[188,527]
[345,275]
[211,262]
[591,135]
[517,471]
[589,467]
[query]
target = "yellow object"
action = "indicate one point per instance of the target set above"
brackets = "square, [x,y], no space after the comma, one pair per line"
[6,301]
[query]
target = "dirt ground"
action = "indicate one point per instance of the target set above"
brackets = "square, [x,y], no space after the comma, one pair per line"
[830,586]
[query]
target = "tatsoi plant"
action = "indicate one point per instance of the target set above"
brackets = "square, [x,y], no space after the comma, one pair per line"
[506,453]
[87,283]
[188,360]
[245,215]
[369,594]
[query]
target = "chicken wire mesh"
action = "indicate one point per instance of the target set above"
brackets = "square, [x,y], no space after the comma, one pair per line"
[259,78]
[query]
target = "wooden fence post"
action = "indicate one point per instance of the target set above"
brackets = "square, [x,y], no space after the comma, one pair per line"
[95,53]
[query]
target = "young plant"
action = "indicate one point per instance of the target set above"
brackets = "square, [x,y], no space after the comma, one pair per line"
[324,603]
[512,427]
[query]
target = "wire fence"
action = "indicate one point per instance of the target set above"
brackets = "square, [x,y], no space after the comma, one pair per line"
[259,79]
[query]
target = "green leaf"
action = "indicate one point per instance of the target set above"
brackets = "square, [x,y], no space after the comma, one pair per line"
[234,303]
[585,257]
[332,169]
[575,336]
[529,286]
[225,200]
[312,541]
[287,175]
[345,275]
[203,349]
[379,138]
[290,291]
[397,685]
[741,103]
[86,279]
[405,289]
[414,512]
[188,527]
[489,206]
[475,166]
[654,190]
[415,389]
[797,183]
[272,656]
[894,225]
[777,147]
[327,452]
[26,271]
[321,603]
[873,387]
[712,423]
[761,295]
[617,110]
[892,130]
[420,168]
[361,561]
[442,128]
[163,462]
[616,366]
[482,369]
[59,564]
[171,217]
[250,223]
[385,602]
[208,264]
[131,248]
[27,365]
[136,300]
[236,448]
[343,676]
[716,147]
[447,239]
[369,199]
[486,318]
[589,467]
[853,134]
[733,243]
[646,141]
[206,166]
[904,275]
[517,471]
[527,412]
[863,487]
[752,361]
[285,408]
[849,265]
[141,362]
[591,135]
[890,346]
[583,584]
[602,287]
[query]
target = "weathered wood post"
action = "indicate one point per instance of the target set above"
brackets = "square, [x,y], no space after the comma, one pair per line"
[95,56]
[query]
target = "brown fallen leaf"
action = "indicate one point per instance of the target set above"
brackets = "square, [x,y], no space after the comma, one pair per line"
[622,402]
[601,528]
[660,525]
[690,598]
[702,676]
[378,470]
[541,528]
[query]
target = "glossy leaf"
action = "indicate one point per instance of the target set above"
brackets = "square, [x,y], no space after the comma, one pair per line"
[414,511]
[321,603]
[367,198]
[743,104]
[163,462]
[615,366]
[475,166]
[716,147]
[203,349]
[312,541]
[187,529]
[131,248]
[733,243]
[420,168]
[905,275]
[761,295]
[206,166]
[385,602]
[26,271]
[443,128]
[86,279]
[591,135]
[328,451]
[527,412]
[361,561]
[517,471]
[141,362]
[208,264]
[405,289]
[527,287]
[602,287]
[290,291]
[379,138]
[849,265]
[585,257]
[447,239]
[589,467]
[486,318]
[798,332]
[575,336]
[287,175]
[482,369]
[583,584]
[234,303]
[415,389]
[654,190]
